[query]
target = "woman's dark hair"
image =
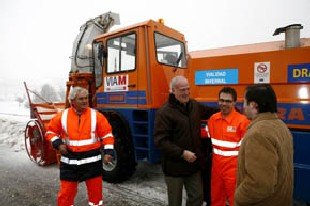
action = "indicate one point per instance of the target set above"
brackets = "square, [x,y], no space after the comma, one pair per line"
[263,95]
[229,90]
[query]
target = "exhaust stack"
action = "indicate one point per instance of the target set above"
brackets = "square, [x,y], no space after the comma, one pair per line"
[292,35]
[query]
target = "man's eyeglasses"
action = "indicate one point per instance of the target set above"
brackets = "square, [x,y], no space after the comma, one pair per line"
[228,101]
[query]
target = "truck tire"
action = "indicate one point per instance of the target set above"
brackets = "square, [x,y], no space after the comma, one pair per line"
[124,164]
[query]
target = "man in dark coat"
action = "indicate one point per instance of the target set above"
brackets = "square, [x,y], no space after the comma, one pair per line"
[177,135]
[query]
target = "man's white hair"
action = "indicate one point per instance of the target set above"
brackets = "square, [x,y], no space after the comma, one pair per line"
[175,80]
[74,91]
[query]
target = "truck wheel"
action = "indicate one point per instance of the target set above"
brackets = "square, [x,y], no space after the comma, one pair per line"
[123,165]
[34,142]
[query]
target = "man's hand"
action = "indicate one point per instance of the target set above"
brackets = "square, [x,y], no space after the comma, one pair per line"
[107,159]
[108,155]
[63,149]
[189,156]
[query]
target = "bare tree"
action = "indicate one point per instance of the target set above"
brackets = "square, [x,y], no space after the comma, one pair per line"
[47,94]
[20,100]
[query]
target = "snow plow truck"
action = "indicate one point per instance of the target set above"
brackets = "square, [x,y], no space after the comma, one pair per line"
[127,72]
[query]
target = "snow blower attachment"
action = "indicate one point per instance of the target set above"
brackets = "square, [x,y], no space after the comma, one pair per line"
[38,149]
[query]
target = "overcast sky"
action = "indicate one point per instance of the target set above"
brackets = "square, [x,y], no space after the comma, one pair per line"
[36,36]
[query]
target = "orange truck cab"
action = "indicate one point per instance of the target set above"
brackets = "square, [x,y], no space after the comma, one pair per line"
[133,68]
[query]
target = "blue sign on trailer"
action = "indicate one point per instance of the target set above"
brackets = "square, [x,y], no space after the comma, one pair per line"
[214,77]
[298,73]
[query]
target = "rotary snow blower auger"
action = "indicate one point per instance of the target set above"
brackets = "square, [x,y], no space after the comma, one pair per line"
[38,149]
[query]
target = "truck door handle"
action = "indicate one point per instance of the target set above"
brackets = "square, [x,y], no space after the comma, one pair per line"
[131,85]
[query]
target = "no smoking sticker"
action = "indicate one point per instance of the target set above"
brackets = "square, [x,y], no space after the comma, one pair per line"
[261,72]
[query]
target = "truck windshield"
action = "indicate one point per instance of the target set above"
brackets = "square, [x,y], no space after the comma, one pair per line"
[169,51]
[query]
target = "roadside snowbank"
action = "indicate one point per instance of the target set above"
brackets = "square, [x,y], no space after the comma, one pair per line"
[13,119]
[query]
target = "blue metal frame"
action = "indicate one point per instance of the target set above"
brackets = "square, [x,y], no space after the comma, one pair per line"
[141,125]
[301,166]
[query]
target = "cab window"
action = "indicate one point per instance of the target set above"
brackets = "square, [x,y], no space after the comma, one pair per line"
[121,54]
[169,51]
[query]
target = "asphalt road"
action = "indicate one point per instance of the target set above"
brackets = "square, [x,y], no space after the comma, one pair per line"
[22,182]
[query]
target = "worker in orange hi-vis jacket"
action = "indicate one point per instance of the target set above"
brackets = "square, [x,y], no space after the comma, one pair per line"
[226,129]
[78,133]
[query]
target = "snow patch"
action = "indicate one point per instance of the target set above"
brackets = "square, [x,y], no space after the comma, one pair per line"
[12,134]
[13,119]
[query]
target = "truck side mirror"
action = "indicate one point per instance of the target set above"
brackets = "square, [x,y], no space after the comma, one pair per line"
[102,53]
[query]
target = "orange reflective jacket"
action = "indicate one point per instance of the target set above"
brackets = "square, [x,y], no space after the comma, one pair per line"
[227,133]
[81,132]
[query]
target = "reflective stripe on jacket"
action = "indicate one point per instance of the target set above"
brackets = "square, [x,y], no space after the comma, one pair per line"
[83,135]
[81,132]
[226,133]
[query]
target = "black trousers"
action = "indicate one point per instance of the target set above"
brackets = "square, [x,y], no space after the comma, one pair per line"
[193,189]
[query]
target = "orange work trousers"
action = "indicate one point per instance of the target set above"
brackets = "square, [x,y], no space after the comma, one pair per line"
[68,192]
[223,182]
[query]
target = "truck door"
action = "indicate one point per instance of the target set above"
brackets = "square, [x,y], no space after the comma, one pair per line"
[120,73]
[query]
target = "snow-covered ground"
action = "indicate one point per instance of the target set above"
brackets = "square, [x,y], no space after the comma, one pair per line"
[13,119]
